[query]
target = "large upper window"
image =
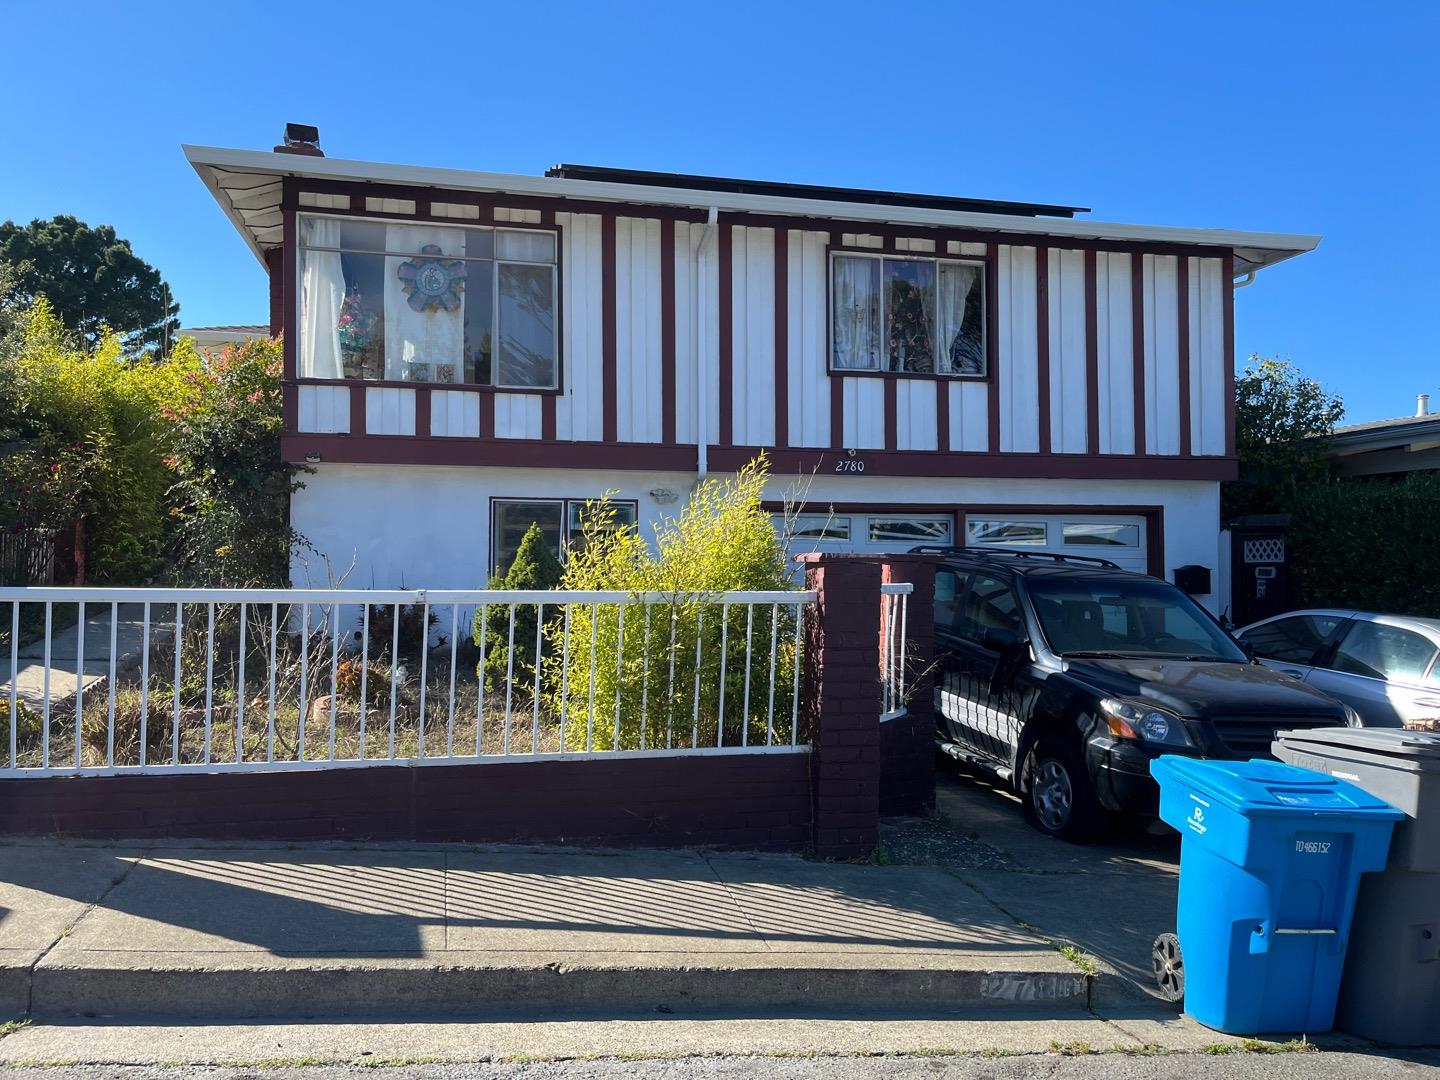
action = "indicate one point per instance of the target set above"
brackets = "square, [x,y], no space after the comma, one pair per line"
[427,303]
[917,316]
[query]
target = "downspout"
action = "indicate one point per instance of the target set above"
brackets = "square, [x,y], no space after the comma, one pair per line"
[702,370]
[1248,279]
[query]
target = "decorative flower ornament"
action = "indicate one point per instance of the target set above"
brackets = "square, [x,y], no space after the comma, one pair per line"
[433,282]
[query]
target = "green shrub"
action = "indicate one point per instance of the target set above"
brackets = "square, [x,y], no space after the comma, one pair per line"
[1368,544]
[722,541]
[535,567]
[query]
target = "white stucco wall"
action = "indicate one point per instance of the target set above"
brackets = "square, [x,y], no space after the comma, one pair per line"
[392,526]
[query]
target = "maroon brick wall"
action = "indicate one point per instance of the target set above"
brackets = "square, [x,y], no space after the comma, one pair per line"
[907,744]
[744,801]
[842,703]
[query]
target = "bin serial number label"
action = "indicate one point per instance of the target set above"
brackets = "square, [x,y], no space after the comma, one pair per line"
[1313,847]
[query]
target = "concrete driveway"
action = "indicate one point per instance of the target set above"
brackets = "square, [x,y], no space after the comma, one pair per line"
[1109,899]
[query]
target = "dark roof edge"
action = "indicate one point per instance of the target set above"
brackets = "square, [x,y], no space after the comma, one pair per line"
[693,182]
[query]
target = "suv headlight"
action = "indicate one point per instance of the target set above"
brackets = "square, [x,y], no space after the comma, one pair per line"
[1143,723]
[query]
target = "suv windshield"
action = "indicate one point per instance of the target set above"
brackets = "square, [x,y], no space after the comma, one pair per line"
[1126,617]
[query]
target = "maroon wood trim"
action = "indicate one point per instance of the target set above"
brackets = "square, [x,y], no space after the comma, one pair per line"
[1154,522]
[667,332]
[547,419]
[942,417]
[357,410]
[942,235]
[726,317]
[422,412]
[1227,303]
[487,416]
[1092,358]
[837,411]
[1182,300]
[1137,346]
[892,410]
[905,376]
[289,393]
[407,450]
[992,343]
[782,337]
[275,268]
[608,316]
[1042,343]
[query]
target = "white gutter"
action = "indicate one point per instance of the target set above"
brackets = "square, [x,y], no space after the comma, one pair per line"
[702,369]
[1282,245]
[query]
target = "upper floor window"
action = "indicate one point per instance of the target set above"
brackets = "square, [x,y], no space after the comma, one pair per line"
[895,314]
[427,303]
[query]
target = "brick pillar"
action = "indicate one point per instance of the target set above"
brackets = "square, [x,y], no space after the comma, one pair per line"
[907,743]
[841,695]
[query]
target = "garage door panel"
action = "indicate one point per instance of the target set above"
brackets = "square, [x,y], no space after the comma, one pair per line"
[1118,538]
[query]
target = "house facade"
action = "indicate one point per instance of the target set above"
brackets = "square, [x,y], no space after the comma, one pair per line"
[470,352]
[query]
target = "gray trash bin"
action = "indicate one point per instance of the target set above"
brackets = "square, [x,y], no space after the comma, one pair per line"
[1390,990]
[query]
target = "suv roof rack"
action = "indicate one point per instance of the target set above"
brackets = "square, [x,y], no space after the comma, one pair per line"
[1012,553]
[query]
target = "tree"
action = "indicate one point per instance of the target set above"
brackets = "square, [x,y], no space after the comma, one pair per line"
[92,279]
[535,567]
[1283,421]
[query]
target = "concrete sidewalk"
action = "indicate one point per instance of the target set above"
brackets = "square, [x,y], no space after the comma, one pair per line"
[65,662]
[274,931]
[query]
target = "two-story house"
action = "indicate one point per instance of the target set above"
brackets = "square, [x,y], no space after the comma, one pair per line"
[468,352]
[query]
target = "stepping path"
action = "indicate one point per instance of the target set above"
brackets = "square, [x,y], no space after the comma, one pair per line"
[65,662]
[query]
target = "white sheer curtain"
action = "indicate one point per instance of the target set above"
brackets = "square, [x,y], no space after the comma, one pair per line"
[959,354]
[858,326]
[417,343]
[322,292]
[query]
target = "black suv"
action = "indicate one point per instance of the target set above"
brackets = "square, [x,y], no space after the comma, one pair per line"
[1067,676]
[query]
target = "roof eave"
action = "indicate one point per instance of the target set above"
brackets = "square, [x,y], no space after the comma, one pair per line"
[1262,249]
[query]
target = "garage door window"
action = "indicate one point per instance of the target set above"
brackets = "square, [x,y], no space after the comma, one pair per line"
[894,530]
[1102,534]
[1007,532]
[815,526]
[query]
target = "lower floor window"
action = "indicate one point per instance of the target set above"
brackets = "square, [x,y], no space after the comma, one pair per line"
[561,523]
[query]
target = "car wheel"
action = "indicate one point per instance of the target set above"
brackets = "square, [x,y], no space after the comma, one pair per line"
[1060,799]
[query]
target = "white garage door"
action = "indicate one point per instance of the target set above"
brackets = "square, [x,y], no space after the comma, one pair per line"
[1119,539]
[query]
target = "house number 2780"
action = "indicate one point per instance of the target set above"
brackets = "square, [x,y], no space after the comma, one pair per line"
[850,465]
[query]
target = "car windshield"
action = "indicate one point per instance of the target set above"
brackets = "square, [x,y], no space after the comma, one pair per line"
[1131,617]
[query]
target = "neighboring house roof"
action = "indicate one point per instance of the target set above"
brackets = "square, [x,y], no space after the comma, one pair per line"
[1404,444]
[224,335]
[248,183]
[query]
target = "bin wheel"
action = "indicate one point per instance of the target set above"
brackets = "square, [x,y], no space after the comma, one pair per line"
[1169,966]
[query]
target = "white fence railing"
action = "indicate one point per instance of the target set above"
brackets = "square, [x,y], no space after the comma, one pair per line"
[894,618]
[105,681]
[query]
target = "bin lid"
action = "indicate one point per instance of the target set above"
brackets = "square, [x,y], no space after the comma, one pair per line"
[1270,787]
[1414,750]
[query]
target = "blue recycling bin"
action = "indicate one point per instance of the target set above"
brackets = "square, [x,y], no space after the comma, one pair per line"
[1270,861]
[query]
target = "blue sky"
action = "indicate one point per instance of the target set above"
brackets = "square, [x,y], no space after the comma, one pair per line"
[1303,117]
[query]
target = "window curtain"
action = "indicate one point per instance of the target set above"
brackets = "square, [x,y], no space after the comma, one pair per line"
[424,346]
[857,314]
[961,353]
[322,294]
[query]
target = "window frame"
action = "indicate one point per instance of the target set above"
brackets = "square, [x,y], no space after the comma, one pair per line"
[983,262]
[565,503]
[1331,654]
[495,227]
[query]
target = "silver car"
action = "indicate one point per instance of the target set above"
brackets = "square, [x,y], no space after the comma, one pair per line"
[1382,666]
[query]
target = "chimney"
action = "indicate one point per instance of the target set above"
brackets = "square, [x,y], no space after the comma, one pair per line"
[301,139]
[1422,405]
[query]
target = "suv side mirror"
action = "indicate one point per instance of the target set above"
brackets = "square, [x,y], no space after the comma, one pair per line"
[1005,642]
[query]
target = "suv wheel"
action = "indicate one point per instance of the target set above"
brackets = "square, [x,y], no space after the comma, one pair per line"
[1060,799]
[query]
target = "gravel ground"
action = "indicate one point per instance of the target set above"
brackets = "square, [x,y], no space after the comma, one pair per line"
[936,842]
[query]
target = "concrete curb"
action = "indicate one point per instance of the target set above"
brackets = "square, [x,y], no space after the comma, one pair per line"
[300,990]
